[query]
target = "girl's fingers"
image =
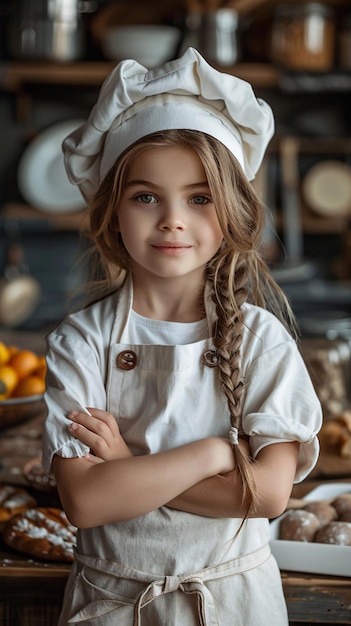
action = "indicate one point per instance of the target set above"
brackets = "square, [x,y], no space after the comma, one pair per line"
[105,417]
[100,432]
[94,460]
[99,422]
[85,435]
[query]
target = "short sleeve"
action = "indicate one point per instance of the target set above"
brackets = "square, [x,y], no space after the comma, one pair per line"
[282,405]
[75,380]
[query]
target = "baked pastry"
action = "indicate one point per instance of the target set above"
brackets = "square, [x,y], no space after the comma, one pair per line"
[342,503]
[336,533]
[13,500]
[43,533]
[325,512]
[345,517]
[34,473]
[335,435]
[299,525]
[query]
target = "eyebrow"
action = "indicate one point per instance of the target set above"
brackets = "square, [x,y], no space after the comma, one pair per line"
[147,183]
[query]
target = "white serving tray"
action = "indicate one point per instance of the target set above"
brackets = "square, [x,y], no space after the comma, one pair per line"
[316,558]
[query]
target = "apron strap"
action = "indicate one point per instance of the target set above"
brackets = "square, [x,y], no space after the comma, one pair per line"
[187,583]
[192,585]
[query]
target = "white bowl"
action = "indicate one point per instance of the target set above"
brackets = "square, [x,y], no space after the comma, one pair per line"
[149,44]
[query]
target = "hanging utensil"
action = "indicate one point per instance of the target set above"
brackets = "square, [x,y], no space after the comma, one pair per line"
[293,237]
[19,290]
[295,267]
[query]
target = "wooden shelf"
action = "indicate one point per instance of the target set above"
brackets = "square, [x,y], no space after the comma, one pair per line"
[14,76]
[315,145]
[314,225]
[17,76]
[70,221]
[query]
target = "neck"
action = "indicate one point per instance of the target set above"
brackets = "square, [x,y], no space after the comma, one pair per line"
[169,300]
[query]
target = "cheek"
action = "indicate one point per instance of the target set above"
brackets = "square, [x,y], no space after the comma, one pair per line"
[216,233]
[126,226]
[127,238]
[132,234]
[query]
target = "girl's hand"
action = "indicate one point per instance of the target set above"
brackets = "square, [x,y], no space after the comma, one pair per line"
[100,432]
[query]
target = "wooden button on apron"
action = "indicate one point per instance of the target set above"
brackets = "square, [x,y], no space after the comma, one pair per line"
[210,358]
[126,360]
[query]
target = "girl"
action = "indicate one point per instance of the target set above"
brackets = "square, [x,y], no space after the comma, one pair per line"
[179,410]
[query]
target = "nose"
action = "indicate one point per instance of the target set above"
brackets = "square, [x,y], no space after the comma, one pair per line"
[172,218]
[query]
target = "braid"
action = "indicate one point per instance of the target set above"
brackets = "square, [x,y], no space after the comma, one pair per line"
[229,333]
[227,341]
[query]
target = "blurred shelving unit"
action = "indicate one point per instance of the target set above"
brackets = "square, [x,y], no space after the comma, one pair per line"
[25,79]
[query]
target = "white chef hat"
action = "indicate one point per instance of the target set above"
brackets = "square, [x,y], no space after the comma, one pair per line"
[186,93]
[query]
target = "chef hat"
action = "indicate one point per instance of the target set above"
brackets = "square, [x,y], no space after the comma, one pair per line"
[186,93]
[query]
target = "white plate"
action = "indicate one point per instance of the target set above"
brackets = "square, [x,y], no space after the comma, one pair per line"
[41,176]
[316,558]
[327,188]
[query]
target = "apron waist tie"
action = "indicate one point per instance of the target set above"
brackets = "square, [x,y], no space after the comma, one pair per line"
[191,585]
[187,583]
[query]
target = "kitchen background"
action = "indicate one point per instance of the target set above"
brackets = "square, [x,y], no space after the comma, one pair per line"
[54,55]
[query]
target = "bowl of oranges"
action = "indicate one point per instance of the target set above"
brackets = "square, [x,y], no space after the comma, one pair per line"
[22,384]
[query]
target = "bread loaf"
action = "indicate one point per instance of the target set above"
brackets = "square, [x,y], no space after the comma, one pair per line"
[323,511]
[335,435]
[319,521]
[336,533]
[299,525]
[43,533]
[13,500]
[342,504]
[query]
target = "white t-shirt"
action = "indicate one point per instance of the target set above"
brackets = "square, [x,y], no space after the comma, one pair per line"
[146,331]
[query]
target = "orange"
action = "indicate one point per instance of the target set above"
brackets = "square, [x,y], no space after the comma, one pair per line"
[24,363]
[8,381]
[29,386]
[13,350]
[41,369]
[4,353]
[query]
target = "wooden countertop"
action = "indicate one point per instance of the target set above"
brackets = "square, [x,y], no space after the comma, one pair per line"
[310,598]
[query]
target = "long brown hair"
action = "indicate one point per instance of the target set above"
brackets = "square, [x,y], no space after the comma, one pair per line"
[237,273]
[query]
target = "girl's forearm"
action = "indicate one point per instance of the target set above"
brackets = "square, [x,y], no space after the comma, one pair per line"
[218,496]
[127,488]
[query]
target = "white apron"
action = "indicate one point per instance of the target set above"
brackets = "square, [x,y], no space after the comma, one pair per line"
[170,568]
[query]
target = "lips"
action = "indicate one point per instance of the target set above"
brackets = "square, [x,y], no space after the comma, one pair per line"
[171,244]
[171,247]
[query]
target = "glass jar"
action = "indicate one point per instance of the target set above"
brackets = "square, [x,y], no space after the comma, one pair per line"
[219,37]
[303,36]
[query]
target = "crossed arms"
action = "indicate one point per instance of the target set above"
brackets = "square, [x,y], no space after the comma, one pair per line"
[112,485]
